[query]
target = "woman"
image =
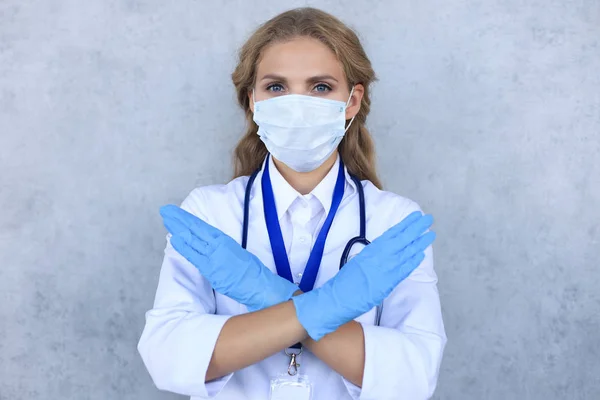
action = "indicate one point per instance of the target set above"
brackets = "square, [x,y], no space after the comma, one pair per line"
[252,304]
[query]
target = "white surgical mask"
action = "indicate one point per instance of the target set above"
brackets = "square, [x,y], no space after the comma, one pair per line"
[301,131]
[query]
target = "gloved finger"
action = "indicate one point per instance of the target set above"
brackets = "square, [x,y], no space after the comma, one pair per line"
[198,227]
[188,252]
[417,246]
[175,227]
[413,263]
[415,230]
[402,225]
[194,242]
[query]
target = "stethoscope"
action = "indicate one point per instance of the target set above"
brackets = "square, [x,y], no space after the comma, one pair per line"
[360,239]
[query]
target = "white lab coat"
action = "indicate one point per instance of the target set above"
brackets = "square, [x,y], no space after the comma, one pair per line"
[402,355]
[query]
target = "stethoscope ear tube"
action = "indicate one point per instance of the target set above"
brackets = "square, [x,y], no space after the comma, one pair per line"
[247,208]
[348,248]
[361,238]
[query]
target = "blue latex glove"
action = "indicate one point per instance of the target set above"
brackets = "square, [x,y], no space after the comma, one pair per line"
[367,279]
[231,270]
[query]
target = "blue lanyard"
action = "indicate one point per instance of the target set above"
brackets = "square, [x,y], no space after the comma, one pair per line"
[276,238]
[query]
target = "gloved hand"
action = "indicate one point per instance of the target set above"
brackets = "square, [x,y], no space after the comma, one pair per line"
[367,279]
[231,270]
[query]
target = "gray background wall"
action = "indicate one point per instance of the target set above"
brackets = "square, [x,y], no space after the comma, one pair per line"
[487,113]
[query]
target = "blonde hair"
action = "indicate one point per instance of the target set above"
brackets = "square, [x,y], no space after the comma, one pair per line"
[356,148]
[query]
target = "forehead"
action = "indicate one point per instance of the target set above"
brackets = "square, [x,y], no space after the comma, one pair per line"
[299,57]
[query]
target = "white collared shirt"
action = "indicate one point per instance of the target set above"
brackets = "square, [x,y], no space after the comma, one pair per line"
[402,355]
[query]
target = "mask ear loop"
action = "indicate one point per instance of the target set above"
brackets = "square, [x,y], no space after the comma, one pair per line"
[348,102]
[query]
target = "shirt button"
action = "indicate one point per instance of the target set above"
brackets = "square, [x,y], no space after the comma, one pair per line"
[304,204]
[303,239]
[298,278]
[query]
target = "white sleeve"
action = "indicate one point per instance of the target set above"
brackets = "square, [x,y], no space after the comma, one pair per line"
[182,329]
[403,354]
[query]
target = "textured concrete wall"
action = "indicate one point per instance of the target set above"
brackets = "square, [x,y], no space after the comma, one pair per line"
[487,113]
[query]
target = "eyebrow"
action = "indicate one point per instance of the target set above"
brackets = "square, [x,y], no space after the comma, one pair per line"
[311,79]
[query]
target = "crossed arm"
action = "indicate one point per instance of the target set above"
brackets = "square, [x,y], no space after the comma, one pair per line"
[246,339]
[249,338]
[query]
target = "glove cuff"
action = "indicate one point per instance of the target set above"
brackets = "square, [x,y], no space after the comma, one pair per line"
[310,316]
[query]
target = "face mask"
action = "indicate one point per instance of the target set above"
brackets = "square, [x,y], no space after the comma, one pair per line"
[301,131]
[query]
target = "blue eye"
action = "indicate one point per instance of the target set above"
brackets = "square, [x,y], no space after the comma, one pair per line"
[276,87]
[322,88]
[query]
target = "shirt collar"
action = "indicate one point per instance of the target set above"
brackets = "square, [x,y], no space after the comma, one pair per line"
[324,190]
[285,194]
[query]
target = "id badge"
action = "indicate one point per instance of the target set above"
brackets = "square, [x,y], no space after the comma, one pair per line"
[286,387]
